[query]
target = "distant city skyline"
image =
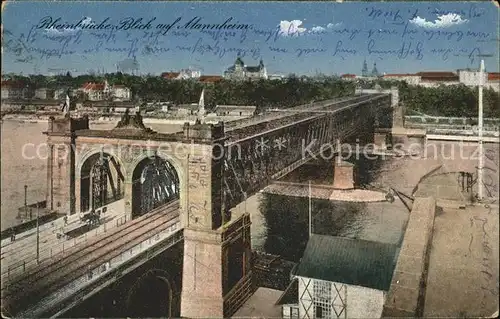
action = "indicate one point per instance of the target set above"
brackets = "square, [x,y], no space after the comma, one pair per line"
[304,38]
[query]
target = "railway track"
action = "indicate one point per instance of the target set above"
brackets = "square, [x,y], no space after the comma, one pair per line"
[58,272]
[238,135]
[14,257]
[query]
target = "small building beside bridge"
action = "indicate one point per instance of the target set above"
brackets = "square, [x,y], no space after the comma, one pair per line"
[340,277]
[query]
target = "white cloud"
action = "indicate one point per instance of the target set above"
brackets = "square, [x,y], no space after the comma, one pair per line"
[55,32]
[333,25]
[59,32]
[442,21]
[317,29]
[291,27]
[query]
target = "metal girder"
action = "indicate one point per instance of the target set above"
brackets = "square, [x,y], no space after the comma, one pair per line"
[265,153]
[159,184]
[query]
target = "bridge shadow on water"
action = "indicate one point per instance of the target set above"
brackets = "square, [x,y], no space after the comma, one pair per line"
[287,217]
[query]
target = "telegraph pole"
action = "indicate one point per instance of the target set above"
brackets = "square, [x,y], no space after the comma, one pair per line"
[480,134]
[310,211]
[25,201]
[37,233]
[480,167]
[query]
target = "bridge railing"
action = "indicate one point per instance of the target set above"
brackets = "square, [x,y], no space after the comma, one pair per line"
[442,120]
[167,237]
[25,259]
[273,113]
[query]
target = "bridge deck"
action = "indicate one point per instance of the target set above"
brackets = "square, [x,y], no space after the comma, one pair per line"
[288,117]
[45,281]
[276,114]
[20,255]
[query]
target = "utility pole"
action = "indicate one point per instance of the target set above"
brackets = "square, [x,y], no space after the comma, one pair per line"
[480,167]
[310,211]
[480,134]
[25,201]
[37,233]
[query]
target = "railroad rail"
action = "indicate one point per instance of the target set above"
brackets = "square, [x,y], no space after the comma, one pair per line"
[59,272]
[264,126]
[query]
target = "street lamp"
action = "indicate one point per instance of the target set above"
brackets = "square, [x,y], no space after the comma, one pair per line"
[480,130]
[37,233]
[25,201]
[480,134]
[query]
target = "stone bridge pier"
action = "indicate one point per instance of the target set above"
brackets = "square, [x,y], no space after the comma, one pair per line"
[217,251]
[343,175]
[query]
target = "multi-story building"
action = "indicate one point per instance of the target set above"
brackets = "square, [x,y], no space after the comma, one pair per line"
[120,93]
[493,81]
[348,77]
[183,74]
[14,90]
[189,74]
[44,94]
[275,77]
[467,77]
[471,77]
[435,79]
[95,91]
[240,71]
[103,91]
[60,93]
[411,79]
[170,75]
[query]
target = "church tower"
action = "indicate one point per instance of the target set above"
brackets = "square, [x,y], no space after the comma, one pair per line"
[364,70]
[375,71]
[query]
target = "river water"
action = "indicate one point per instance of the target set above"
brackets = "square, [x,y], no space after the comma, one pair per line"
[279,223]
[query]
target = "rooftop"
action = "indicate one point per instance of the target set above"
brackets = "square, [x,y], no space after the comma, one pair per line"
[494,76]
[210,78]
[170,75]
[399,74]
[349,261]
[291,294]
[93,86]
[13,84]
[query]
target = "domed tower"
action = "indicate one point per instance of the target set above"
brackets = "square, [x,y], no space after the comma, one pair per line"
[238,64]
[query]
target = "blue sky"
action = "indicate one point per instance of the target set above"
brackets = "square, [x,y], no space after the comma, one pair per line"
[297,37]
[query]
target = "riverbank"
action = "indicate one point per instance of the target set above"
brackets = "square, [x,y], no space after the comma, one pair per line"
[115,118]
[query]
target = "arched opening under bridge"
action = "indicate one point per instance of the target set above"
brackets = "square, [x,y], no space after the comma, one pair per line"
[150,296]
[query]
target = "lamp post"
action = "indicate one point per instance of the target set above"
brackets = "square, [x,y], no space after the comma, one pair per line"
[37,233]
[480,130]
[25,201]
[480,134]
[310,211]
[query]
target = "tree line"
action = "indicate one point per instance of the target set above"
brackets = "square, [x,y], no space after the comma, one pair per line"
[445,100]
[283,93]
[453,100]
